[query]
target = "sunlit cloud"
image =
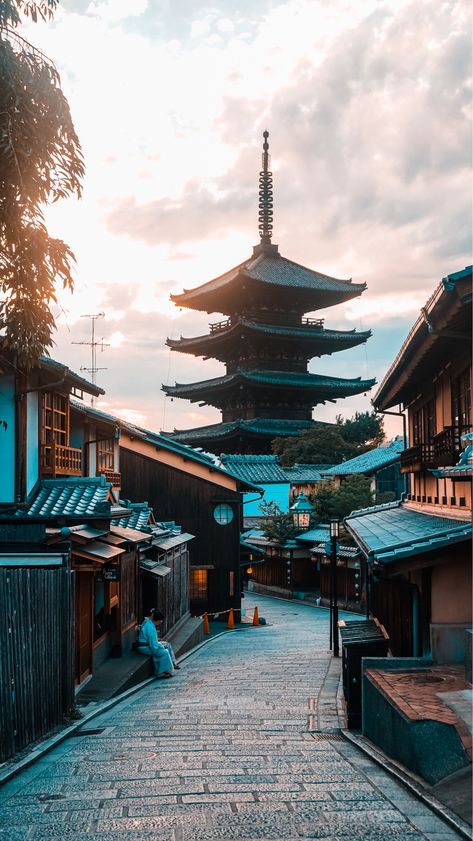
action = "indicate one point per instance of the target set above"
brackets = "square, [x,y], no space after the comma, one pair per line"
[369,111]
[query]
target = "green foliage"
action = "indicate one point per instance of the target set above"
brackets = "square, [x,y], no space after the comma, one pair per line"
[276,525]
[40,162]
[331,445]
[354,492]
[384,496]
[363,427]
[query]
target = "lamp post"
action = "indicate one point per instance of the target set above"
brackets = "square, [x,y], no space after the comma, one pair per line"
[334,533]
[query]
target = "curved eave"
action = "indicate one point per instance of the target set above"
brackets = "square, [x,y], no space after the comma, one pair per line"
[314,289]
[327,341]
[256,429]
[317,387]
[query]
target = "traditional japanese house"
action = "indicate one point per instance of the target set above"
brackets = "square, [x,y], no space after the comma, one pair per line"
[264,471]
[304,478]
[382,465]
[419,550]
[206,500]
[265,342]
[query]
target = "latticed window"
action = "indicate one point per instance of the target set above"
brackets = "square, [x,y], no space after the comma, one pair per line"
[105,454]
[198,584]
[55,426]
[461,399]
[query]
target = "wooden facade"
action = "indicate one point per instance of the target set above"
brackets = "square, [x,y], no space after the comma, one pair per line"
[177,490]
[36,652]
[424,600]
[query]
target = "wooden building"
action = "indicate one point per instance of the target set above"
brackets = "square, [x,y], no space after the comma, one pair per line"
[382,465]
[419,550]
[188,486]
[265,343]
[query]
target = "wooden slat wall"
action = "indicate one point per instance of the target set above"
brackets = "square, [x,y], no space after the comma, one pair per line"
[169,594]
[36,654]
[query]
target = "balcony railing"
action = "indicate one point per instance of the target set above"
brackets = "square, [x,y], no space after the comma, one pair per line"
[111,476]
[313,322]
[447,445]
[220,325]
[58,460]
[417,458]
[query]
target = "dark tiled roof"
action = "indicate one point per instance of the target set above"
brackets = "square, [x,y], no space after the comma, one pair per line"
[298,332]
[320,534]
[305,472]
[161,440]
[60,370]
[140,518]
[265,427]
[275,270]
[391,532]
[74,498]
[369,462]
[316,383]
[254,468]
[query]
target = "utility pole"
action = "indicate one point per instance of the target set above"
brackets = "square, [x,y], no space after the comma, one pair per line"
[93,344]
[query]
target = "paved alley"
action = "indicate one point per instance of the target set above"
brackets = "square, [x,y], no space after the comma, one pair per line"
[222,751]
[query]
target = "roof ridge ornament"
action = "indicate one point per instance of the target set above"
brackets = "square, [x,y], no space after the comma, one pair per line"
[265,205]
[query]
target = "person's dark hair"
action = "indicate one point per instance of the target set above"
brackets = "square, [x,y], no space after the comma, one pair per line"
[156,615]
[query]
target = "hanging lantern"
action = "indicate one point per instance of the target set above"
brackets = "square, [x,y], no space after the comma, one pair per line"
[249,570]
[301,511]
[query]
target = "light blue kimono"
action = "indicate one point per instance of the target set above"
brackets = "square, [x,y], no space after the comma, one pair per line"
[148,643]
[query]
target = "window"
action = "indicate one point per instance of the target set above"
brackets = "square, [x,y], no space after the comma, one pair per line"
[54,427]
[198,585]
[223,514]
[461,400]
[105,454]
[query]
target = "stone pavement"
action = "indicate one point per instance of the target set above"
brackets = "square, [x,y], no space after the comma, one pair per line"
[222,751]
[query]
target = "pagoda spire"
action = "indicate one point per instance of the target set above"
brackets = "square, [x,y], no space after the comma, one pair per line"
[265,207]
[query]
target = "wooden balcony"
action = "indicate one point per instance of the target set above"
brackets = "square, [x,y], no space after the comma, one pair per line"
[313,322]
[220,325]
[417,458]
[57,460]
[111,476]
[447,445]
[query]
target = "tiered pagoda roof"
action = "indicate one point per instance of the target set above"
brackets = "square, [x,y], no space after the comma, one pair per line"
[266,344]
[310,337]
[265,274]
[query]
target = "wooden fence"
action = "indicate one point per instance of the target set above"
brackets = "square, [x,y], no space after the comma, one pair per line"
[36,654]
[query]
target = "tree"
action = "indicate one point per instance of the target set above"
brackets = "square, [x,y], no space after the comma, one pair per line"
[354,492]
[333,444]
[40,162]
[363,428]
[276,525]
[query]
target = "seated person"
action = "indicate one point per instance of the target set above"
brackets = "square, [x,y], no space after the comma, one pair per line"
[148,643]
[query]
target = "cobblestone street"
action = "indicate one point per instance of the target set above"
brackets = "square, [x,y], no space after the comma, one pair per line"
[222,751]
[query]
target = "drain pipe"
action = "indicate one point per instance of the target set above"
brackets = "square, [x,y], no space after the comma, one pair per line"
[396,415]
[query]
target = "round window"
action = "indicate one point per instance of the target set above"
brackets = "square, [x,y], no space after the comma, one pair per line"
[223,514]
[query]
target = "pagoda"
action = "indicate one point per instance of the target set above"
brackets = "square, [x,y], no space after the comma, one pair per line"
[266,343]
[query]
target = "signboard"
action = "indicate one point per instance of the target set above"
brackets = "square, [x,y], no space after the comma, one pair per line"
[111,572]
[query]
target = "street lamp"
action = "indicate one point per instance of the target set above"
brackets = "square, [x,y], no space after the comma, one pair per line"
[301,511]
[334,534]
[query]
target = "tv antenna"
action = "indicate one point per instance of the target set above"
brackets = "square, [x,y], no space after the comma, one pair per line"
[93,344]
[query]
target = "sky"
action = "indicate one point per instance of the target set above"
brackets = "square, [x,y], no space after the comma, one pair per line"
[368,105]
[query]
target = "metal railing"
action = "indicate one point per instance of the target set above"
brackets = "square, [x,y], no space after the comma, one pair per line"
[58,460]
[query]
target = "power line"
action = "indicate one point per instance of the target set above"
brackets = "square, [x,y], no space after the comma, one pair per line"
[93,344]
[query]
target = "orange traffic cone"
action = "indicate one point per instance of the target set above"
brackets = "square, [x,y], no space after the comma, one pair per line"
[255,617]
[230,623]
[206,624]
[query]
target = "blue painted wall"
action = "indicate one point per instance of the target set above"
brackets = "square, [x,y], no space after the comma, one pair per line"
[7,438]
[32,440]
[278,493]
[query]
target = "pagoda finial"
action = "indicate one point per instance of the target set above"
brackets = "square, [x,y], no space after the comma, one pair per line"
[265,215]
